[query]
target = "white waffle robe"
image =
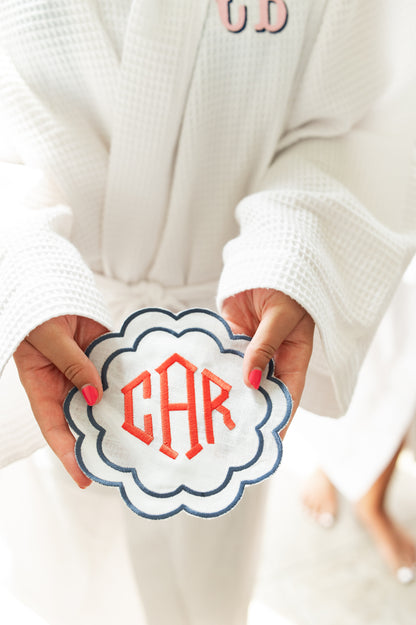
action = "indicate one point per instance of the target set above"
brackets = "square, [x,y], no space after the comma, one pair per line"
[145,142]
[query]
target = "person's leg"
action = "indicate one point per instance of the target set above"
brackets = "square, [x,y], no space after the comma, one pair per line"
[320,498]
[395,545]
[68,556]
[192,571]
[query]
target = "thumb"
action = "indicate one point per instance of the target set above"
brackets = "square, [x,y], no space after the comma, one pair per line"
[59,346]
[272,330]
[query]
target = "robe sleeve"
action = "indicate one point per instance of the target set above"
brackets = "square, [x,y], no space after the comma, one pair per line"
[42,275]
[329,223]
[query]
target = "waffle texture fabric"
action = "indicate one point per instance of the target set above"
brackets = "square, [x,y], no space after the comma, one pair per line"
[146,143]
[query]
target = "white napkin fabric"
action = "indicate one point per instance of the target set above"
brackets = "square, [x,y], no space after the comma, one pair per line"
[177,428]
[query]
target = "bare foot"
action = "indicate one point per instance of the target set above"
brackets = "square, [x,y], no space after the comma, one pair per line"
[394,544]
[320,498]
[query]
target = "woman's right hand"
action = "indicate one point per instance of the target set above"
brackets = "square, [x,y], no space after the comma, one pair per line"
[50,361]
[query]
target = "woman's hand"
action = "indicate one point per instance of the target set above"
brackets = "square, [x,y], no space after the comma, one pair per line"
[50,361]
[281,329]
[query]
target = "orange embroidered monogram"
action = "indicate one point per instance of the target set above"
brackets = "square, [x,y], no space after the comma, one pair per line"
[177,428]
[166,407]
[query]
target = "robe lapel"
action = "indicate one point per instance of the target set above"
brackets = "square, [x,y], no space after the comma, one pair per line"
[159,52]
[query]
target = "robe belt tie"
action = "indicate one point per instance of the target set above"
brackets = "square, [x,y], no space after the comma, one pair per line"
[123,299]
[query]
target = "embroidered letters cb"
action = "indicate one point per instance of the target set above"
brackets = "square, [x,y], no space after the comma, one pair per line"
[166,406]
[265,21]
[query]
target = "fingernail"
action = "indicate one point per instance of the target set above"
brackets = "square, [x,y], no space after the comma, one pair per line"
[90,394]
[254,378]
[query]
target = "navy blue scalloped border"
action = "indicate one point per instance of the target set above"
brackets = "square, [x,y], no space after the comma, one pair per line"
[132,470]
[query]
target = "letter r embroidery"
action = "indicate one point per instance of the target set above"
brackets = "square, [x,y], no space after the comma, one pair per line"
[210,405]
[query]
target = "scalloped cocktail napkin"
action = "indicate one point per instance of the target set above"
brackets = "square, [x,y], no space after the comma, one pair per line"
[177,428]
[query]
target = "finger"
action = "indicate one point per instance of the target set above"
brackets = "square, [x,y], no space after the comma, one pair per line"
[62,443]
[292,364]
[275,325]
[51,420]
[63,351]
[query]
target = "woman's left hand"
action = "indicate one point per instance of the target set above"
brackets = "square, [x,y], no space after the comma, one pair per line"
[281,329]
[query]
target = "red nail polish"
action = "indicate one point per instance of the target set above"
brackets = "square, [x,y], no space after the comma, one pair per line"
[90,394]
[254,378]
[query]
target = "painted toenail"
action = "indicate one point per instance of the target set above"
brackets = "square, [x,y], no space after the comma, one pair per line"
[326,520]
[405,575]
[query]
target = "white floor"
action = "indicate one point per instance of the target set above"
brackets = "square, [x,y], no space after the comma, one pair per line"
[313,576]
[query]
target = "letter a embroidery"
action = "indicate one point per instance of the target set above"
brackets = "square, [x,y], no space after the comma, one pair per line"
[166,407]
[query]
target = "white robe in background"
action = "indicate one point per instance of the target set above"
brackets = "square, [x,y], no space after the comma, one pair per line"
[354,450]
[132,132]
